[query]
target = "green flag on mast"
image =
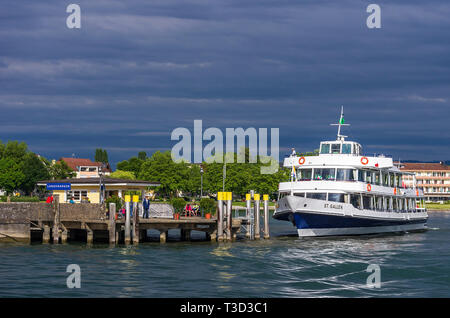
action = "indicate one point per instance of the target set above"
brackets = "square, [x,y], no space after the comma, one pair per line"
[341,121]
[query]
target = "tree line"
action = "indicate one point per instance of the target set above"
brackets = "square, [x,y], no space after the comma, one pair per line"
[21,169]
[176,177]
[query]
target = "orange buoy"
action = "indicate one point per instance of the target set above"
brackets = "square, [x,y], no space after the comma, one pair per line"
[395,191]
[301,160]
[369,187]
[364,160]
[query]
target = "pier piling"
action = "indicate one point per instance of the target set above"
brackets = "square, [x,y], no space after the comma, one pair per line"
[162,236]
[55,230]
[256,216]
[220,210]
[266,216]
[46,234]
[136,210]
[229,215]
[127,220]
[89,234]
[112,223]
[248,202]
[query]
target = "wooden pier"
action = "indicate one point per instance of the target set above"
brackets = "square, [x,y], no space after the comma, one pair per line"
[59,223]
[62,222]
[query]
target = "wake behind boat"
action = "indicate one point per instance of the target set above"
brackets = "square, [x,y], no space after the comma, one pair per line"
[343,192]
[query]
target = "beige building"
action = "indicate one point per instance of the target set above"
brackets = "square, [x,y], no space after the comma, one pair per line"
[82,188]
[432,178]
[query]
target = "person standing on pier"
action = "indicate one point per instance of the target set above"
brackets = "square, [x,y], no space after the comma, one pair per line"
[146,204]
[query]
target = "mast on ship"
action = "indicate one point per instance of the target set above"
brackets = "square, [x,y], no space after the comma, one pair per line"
[341,123]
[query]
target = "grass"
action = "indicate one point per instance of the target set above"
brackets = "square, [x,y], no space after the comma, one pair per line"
[437,206]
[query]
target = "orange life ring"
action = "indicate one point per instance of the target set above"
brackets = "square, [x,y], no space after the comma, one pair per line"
[417,192]
[369,187]
[364,160]
[301,160]
[395,191]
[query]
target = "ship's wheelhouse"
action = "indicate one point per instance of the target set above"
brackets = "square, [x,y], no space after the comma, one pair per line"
[340,147]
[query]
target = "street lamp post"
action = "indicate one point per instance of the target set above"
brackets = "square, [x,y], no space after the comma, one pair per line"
[201,189]
[102,185]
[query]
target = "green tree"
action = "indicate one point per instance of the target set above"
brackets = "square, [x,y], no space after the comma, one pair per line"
[98,155]
[11,175]
[60,170]
[34,170]
[105,156]
[161,168]
[142,155]
[14,150]
[120,174]
[101,155]
[133,164]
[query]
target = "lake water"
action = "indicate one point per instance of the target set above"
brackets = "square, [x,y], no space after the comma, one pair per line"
[411,265]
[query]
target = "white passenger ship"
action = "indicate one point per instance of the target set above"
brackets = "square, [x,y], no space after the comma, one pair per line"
[342,192]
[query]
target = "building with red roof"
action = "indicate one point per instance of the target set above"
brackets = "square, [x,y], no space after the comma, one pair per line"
[85,168]
[432,178]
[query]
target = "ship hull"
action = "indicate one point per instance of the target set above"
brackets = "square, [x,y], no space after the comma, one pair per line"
[310,224]
[346,221]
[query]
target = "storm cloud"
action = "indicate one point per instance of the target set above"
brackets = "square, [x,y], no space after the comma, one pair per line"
[138,69]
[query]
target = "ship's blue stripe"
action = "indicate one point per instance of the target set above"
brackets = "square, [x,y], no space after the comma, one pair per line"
[315,221]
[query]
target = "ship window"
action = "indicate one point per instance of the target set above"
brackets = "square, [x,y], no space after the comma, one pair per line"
[335,148]
[325,148]
[368,176]
[336,197]
[377,178]
[304,174]
[391,179]
[300,194]
[318,196]
[399,180]
[324,174]
[367,202]
[385,179]
[282,195]
[355,200]
[347,148]
[361,175]
[346,175]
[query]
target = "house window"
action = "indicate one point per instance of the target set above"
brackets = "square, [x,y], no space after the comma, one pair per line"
[76,194]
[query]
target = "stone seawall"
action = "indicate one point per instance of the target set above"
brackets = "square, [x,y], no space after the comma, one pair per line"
[16,217]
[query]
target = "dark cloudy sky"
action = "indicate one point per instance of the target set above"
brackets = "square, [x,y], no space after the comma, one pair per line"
[138,69]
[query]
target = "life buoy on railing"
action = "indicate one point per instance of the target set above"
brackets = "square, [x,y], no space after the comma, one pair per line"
[395,191]
[417,192]
[301,160]
[369,187]
[364,160]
